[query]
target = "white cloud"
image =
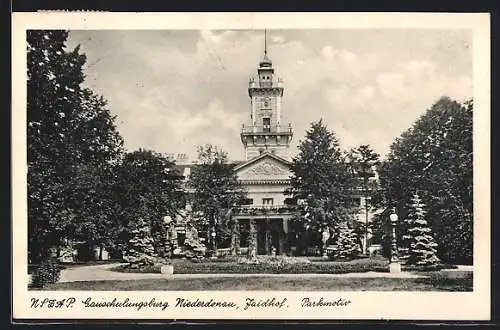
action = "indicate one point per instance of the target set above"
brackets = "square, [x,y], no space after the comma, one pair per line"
[391,85]
[175,91]
[418,68]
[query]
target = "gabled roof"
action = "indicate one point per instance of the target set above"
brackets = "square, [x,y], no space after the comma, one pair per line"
[261,156]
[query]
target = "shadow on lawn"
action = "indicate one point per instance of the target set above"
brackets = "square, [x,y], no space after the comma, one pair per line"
[449,281]
[438,281]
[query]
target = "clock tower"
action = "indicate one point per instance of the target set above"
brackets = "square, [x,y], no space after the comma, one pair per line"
[264,131]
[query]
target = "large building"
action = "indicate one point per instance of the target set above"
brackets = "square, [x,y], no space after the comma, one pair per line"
[265,173]
[263,219]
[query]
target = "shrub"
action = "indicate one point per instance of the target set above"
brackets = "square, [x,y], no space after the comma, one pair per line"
[273,260]
[48,272]
[227,258]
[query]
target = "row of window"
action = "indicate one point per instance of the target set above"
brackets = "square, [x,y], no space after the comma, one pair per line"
[356,201]
[267,201]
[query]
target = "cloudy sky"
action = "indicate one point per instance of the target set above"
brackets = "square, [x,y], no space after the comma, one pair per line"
[175,89]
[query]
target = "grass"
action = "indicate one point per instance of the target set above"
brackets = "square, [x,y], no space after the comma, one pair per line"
[436,281]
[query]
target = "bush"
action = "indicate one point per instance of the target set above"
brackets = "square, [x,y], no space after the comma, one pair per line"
[273,260]
[48,272]
[227,258]
[146,269]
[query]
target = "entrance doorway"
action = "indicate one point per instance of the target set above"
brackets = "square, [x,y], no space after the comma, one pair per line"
[270,234]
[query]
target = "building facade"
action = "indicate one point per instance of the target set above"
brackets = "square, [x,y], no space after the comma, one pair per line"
[262,222]
[265,173]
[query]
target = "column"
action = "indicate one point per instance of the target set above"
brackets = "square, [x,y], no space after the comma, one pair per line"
[282,240]
[252,243]
[267,238]
[235,237]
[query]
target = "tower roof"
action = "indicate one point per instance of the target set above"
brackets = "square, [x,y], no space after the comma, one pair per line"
[266,62]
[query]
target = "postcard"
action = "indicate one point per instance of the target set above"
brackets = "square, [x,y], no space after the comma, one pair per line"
[289,166]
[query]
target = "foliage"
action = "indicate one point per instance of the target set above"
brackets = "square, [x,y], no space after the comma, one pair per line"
[149,188]
[323,180]
[48,272]
[418,242]
[71,137]
[192,247]
[363,161]
[434,157]
[140,250]
[273,260]
[216,191]
[346,243]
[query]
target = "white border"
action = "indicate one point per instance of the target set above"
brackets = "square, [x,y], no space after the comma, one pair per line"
[365,305]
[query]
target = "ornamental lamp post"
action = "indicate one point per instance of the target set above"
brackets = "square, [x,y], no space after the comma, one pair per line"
[395,265]
[214,243]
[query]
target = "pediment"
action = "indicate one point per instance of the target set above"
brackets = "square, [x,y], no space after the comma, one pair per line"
[265,168]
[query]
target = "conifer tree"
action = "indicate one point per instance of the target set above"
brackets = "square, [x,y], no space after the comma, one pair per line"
[323,180]
[419,247]
[140,250]
[346,242]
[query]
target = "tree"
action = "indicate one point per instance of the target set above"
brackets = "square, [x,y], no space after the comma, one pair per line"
[363,159]
[321,177]
[346,243]
[68,129]
[149,188]
[140,250]
[418,242]
[434,157]
[215,191]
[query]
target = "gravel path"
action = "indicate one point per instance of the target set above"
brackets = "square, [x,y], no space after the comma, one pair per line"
[103,273]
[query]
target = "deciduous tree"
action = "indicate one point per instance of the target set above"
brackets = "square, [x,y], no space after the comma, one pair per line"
[150,188]
[434,157]
[216,191]
[69,132]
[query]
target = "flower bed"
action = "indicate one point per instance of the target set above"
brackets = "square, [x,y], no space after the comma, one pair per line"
[271,267]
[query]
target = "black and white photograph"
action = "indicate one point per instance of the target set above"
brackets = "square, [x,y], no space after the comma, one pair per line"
[329,162]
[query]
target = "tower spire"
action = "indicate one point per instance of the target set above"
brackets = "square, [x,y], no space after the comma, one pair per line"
[265,42]
[266,62]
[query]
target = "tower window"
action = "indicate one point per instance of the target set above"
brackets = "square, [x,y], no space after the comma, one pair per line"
[266,124]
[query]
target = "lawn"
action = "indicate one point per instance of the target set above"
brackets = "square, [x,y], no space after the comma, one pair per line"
[437,281]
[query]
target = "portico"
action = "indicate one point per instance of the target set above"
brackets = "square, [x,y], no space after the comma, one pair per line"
[268,228]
